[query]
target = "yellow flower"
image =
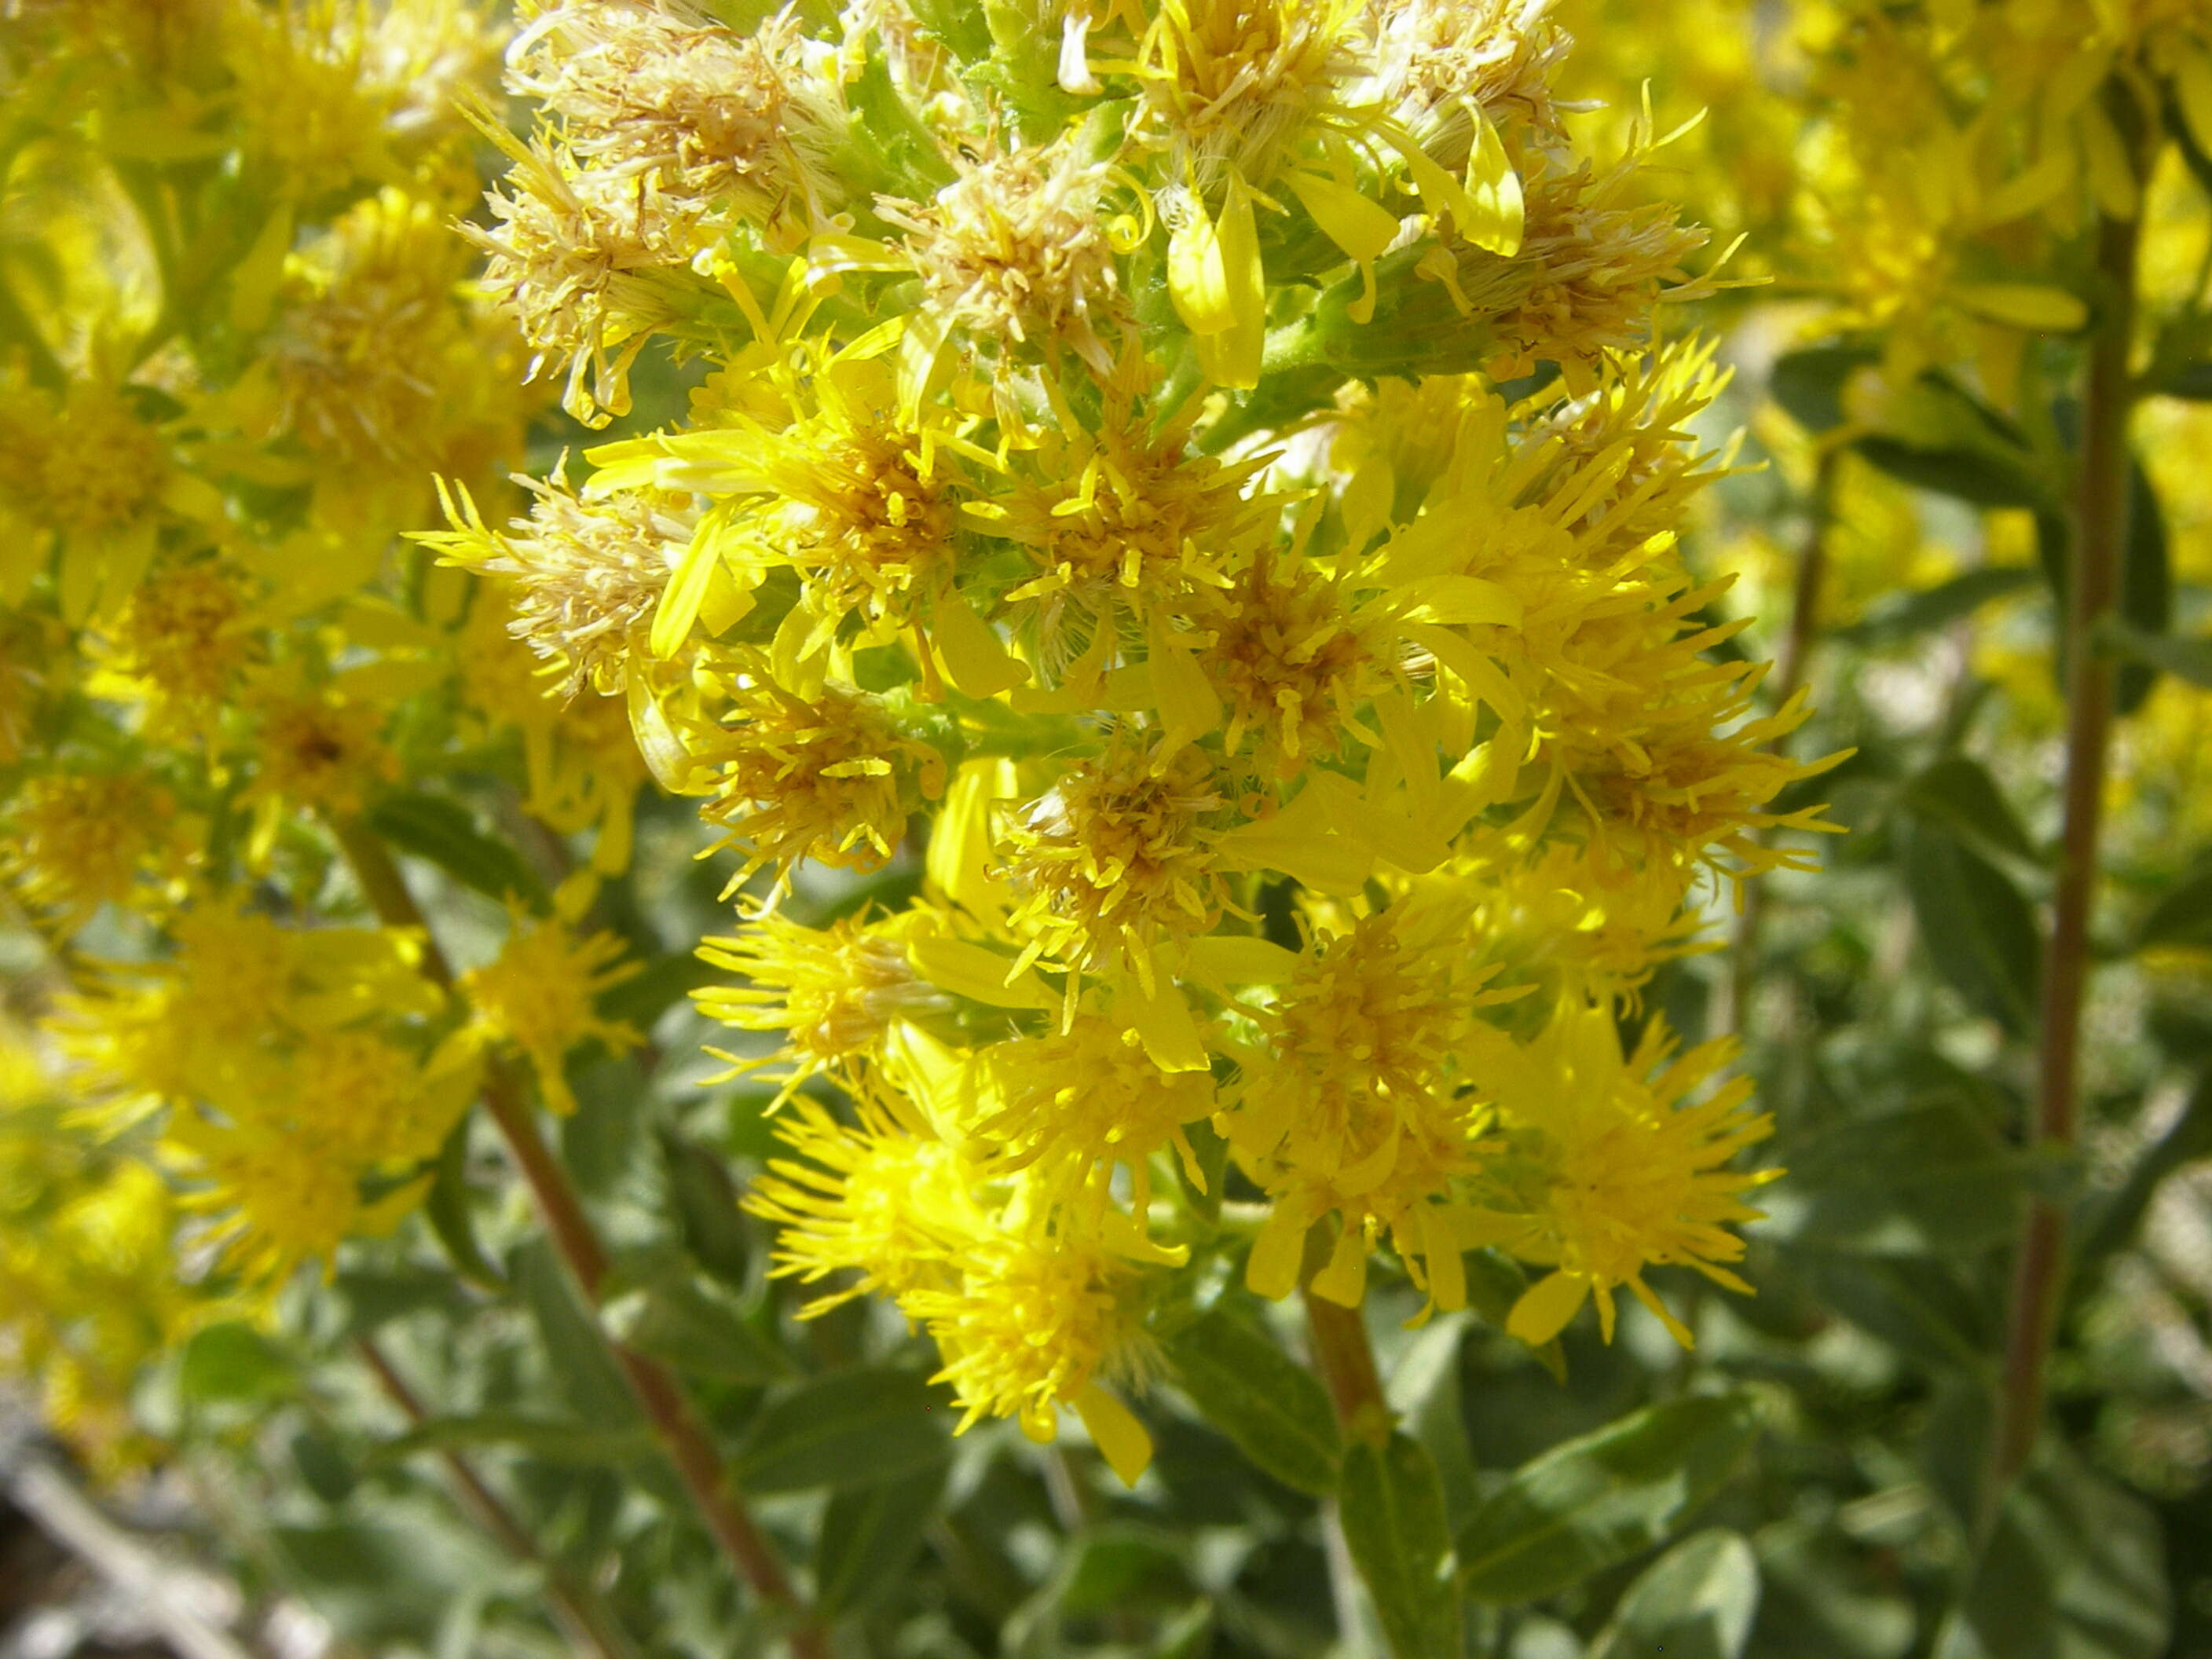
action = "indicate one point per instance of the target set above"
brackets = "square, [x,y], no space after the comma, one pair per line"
[74,841]
[828,777]
[1116,857]
[540,994]
[1632,1170]
[837,992]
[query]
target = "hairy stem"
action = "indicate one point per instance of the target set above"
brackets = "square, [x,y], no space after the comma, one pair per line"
[684,1438]
[2099,545]
[590,1625]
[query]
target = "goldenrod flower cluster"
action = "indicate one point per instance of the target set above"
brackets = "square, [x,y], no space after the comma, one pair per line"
[238,337]
[1199,478]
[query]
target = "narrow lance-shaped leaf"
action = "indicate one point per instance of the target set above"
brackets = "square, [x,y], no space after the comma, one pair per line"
[1252,1391]
[1583,1506]
[1392,1507]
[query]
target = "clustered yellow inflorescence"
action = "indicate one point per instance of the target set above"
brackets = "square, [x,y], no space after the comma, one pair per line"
[1200,479]
[239,334]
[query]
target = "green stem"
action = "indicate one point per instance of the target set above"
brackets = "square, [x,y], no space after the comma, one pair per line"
[2099,544]
[684,1438]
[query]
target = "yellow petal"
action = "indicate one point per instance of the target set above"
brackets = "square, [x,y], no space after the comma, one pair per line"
[1189,707]
[1545,1306]
[1164,1025]
[1343,1281]
[1495,190]
[2024,304]
[2192,88]
[976,972]
[1198,280]
[687,589]
[1120,1438]
[976,660]
[1272,1270]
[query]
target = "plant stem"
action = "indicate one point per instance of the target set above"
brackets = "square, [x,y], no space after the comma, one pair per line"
[1345,1360]
[684,1438]
[591,1626]
[2098,547]
[1790,667]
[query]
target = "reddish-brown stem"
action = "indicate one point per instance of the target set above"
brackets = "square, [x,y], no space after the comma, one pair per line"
[2101,534]
[684,1438]
[590,1626]
[1345,1360]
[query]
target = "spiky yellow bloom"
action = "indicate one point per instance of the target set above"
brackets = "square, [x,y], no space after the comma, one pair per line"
[1630,1169]
[835,993]
[587,575]
[828,777]
[539,995]
[1114,858]
[75,841]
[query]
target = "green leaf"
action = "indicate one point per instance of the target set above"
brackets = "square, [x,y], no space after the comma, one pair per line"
[383,1583]
[578,1359]
[1922,1182]
[1921,1306]
[444,832]
[869,1536]
[558,1440]
[2187,658]
[1904,615]
[324,1467]
[1960,795]
[232,1362]
[1980,933]
[452,1215]
[1583,1506]
[2111,1218]
[1809,383]
[706,1204]
[1424,1391]
[1967,474]
[658,1307]
[2074,1569]
[1822,1597]
[2146,584]
[2183,916]
[846,1429]
[1696,1601]
[1118,1564]
[1253,1392]
[1392,1507]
